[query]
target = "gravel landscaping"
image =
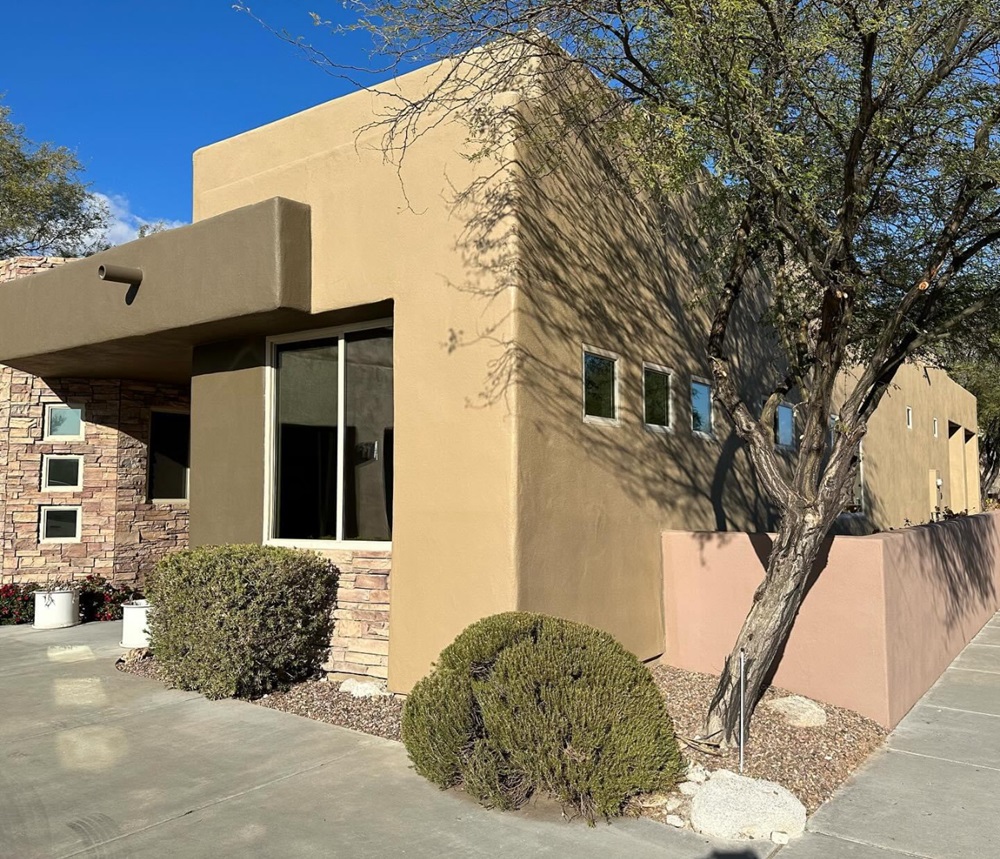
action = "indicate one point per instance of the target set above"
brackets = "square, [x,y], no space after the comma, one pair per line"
[810,762]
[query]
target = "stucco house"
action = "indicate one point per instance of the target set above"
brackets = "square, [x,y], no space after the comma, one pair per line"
[474,390]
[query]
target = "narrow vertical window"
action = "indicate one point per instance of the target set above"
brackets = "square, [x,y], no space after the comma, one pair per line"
[656,396]
[169,456]
[701,407]
[600,386]
[784,426]
[935,425]
[909,418]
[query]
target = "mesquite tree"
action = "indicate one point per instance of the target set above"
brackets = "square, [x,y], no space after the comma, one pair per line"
[846,155]
[44,206]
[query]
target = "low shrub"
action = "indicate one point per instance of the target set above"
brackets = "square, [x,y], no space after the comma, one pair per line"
[103,600]
[523,702]
[17,603]
[240,620]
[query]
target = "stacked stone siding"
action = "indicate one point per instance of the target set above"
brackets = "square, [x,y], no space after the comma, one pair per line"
[360,643]
[122,534]
[23,266]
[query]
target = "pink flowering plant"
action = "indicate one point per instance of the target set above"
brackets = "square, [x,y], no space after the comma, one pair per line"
[99,599]
[17,603]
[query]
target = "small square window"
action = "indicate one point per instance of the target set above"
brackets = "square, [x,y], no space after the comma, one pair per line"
[600,386]
[701,407]
[656,396]
[784,426]
[59,525]
[62,473]
[909,418]
[63,422]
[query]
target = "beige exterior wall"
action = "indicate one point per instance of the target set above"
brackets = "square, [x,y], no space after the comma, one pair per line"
[381,234]
[601,268]
[504,497]
[896,607]
[901,465]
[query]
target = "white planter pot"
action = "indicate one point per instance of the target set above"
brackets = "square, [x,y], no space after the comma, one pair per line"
[56,609]
[134,633]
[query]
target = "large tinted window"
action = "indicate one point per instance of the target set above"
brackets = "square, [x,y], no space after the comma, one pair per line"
[334,438]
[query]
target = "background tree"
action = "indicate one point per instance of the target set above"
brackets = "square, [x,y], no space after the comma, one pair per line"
[845,153]
[44,207]
[977,368]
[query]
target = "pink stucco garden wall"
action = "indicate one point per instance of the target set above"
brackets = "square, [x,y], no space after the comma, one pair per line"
[882,620]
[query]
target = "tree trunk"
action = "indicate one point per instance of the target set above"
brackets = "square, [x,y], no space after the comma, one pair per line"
[775,604]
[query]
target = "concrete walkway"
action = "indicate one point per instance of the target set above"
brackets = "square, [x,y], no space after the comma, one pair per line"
[934,791]
[95,763]
[98,764]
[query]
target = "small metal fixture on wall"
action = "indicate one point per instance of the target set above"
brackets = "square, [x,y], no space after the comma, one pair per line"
[122,274]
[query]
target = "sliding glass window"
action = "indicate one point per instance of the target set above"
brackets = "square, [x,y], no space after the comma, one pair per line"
[333,438]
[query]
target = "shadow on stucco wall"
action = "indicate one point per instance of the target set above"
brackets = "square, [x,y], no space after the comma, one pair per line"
[595,260]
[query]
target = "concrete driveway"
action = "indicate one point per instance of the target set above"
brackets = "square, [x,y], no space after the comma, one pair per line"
[96,763]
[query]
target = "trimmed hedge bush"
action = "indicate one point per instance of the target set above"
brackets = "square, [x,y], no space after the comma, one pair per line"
[523,702]
[240,620]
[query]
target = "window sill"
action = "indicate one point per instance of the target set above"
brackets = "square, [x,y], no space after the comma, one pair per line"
[659,429]
[168,502]
[333,545]
[704,436]
[602,422]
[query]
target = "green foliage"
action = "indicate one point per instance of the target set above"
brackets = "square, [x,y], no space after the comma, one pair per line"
[44,207]
[523,702]
[17,603]
[240,620]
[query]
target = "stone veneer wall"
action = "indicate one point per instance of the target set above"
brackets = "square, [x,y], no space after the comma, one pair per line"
[360,643]
[122,534]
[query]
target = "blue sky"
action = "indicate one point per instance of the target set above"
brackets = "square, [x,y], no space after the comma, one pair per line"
[134,87]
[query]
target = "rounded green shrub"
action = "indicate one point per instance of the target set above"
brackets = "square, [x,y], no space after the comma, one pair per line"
[522,702]
[240,620]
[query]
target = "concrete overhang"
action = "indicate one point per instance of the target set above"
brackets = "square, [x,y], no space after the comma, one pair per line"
[241,273]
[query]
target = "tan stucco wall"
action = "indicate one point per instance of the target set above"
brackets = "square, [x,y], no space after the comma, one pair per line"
[886,615]
[898,461]
[227,443]
[379,233]
[601,267]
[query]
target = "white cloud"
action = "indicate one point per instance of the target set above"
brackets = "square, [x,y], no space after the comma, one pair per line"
[123,223]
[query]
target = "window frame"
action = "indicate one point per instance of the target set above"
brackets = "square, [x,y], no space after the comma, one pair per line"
[150,498]
[49,457]
[710,435]
[46,508]
[669,373]
[47,421]
[791,446]
[615,358]
[272,345]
